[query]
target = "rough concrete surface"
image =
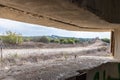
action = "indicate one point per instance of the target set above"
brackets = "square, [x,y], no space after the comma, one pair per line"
[53,13]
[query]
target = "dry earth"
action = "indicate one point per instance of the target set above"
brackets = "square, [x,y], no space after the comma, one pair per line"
[52,64]
[56,69]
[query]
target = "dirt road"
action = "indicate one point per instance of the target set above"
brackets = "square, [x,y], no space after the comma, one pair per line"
[48,51]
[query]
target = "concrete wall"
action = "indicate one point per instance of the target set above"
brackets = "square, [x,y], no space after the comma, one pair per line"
[117,44]
[108,71]
[107,9]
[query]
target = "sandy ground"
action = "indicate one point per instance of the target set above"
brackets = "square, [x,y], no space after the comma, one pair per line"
[50,51]
[52,69]
[52,64]
[42,64]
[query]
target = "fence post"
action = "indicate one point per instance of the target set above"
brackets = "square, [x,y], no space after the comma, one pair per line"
[1,52]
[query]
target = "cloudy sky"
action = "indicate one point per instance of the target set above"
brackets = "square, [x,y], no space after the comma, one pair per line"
[37,30]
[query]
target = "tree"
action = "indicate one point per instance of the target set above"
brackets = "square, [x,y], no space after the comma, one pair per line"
[12,38]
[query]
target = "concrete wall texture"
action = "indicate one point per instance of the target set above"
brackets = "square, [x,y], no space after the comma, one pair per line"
[108,71]
[107,9]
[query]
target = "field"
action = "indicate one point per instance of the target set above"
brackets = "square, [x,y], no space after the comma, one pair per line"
[42,61]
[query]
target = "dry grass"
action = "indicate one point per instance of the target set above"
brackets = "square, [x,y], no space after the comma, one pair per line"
[16,59]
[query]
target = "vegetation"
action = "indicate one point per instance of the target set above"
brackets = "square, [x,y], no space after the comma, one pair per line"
[106,40]
[26,39]
[61,40]
[12,38]
[49,39]
[44,39]
[54,41]
[65,40]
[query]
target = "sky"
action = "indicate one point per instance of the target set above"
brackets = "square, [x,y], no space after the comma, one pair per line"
[38,30]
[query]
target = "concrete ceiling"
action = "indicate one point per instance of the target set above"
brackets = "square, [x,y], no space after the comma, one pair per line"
[53,13]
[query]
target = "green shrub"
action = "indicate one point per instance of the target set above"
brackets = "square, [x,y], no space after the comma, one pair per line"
[61,41]
[71,41]
[26,39]
[106,40]
[67,41]
[12,38]
[44,39]
[54,40]
[77,41]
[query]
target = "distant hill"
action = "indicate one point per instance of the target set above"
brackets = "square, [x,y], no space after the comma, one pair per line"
[81,39]
[60,37]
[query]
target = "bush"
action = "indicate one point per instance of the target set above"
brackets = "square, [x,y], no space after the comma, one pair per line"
[12,38]
[44,39]
[71,41]
[26,39]
[65,41]
[54,40]
[77,41]
[61,41]
[35,39]
[106,40]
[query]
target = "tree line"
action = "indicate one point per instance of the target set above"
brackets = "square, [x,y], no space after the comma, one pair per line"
[46,39]
[14,38]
